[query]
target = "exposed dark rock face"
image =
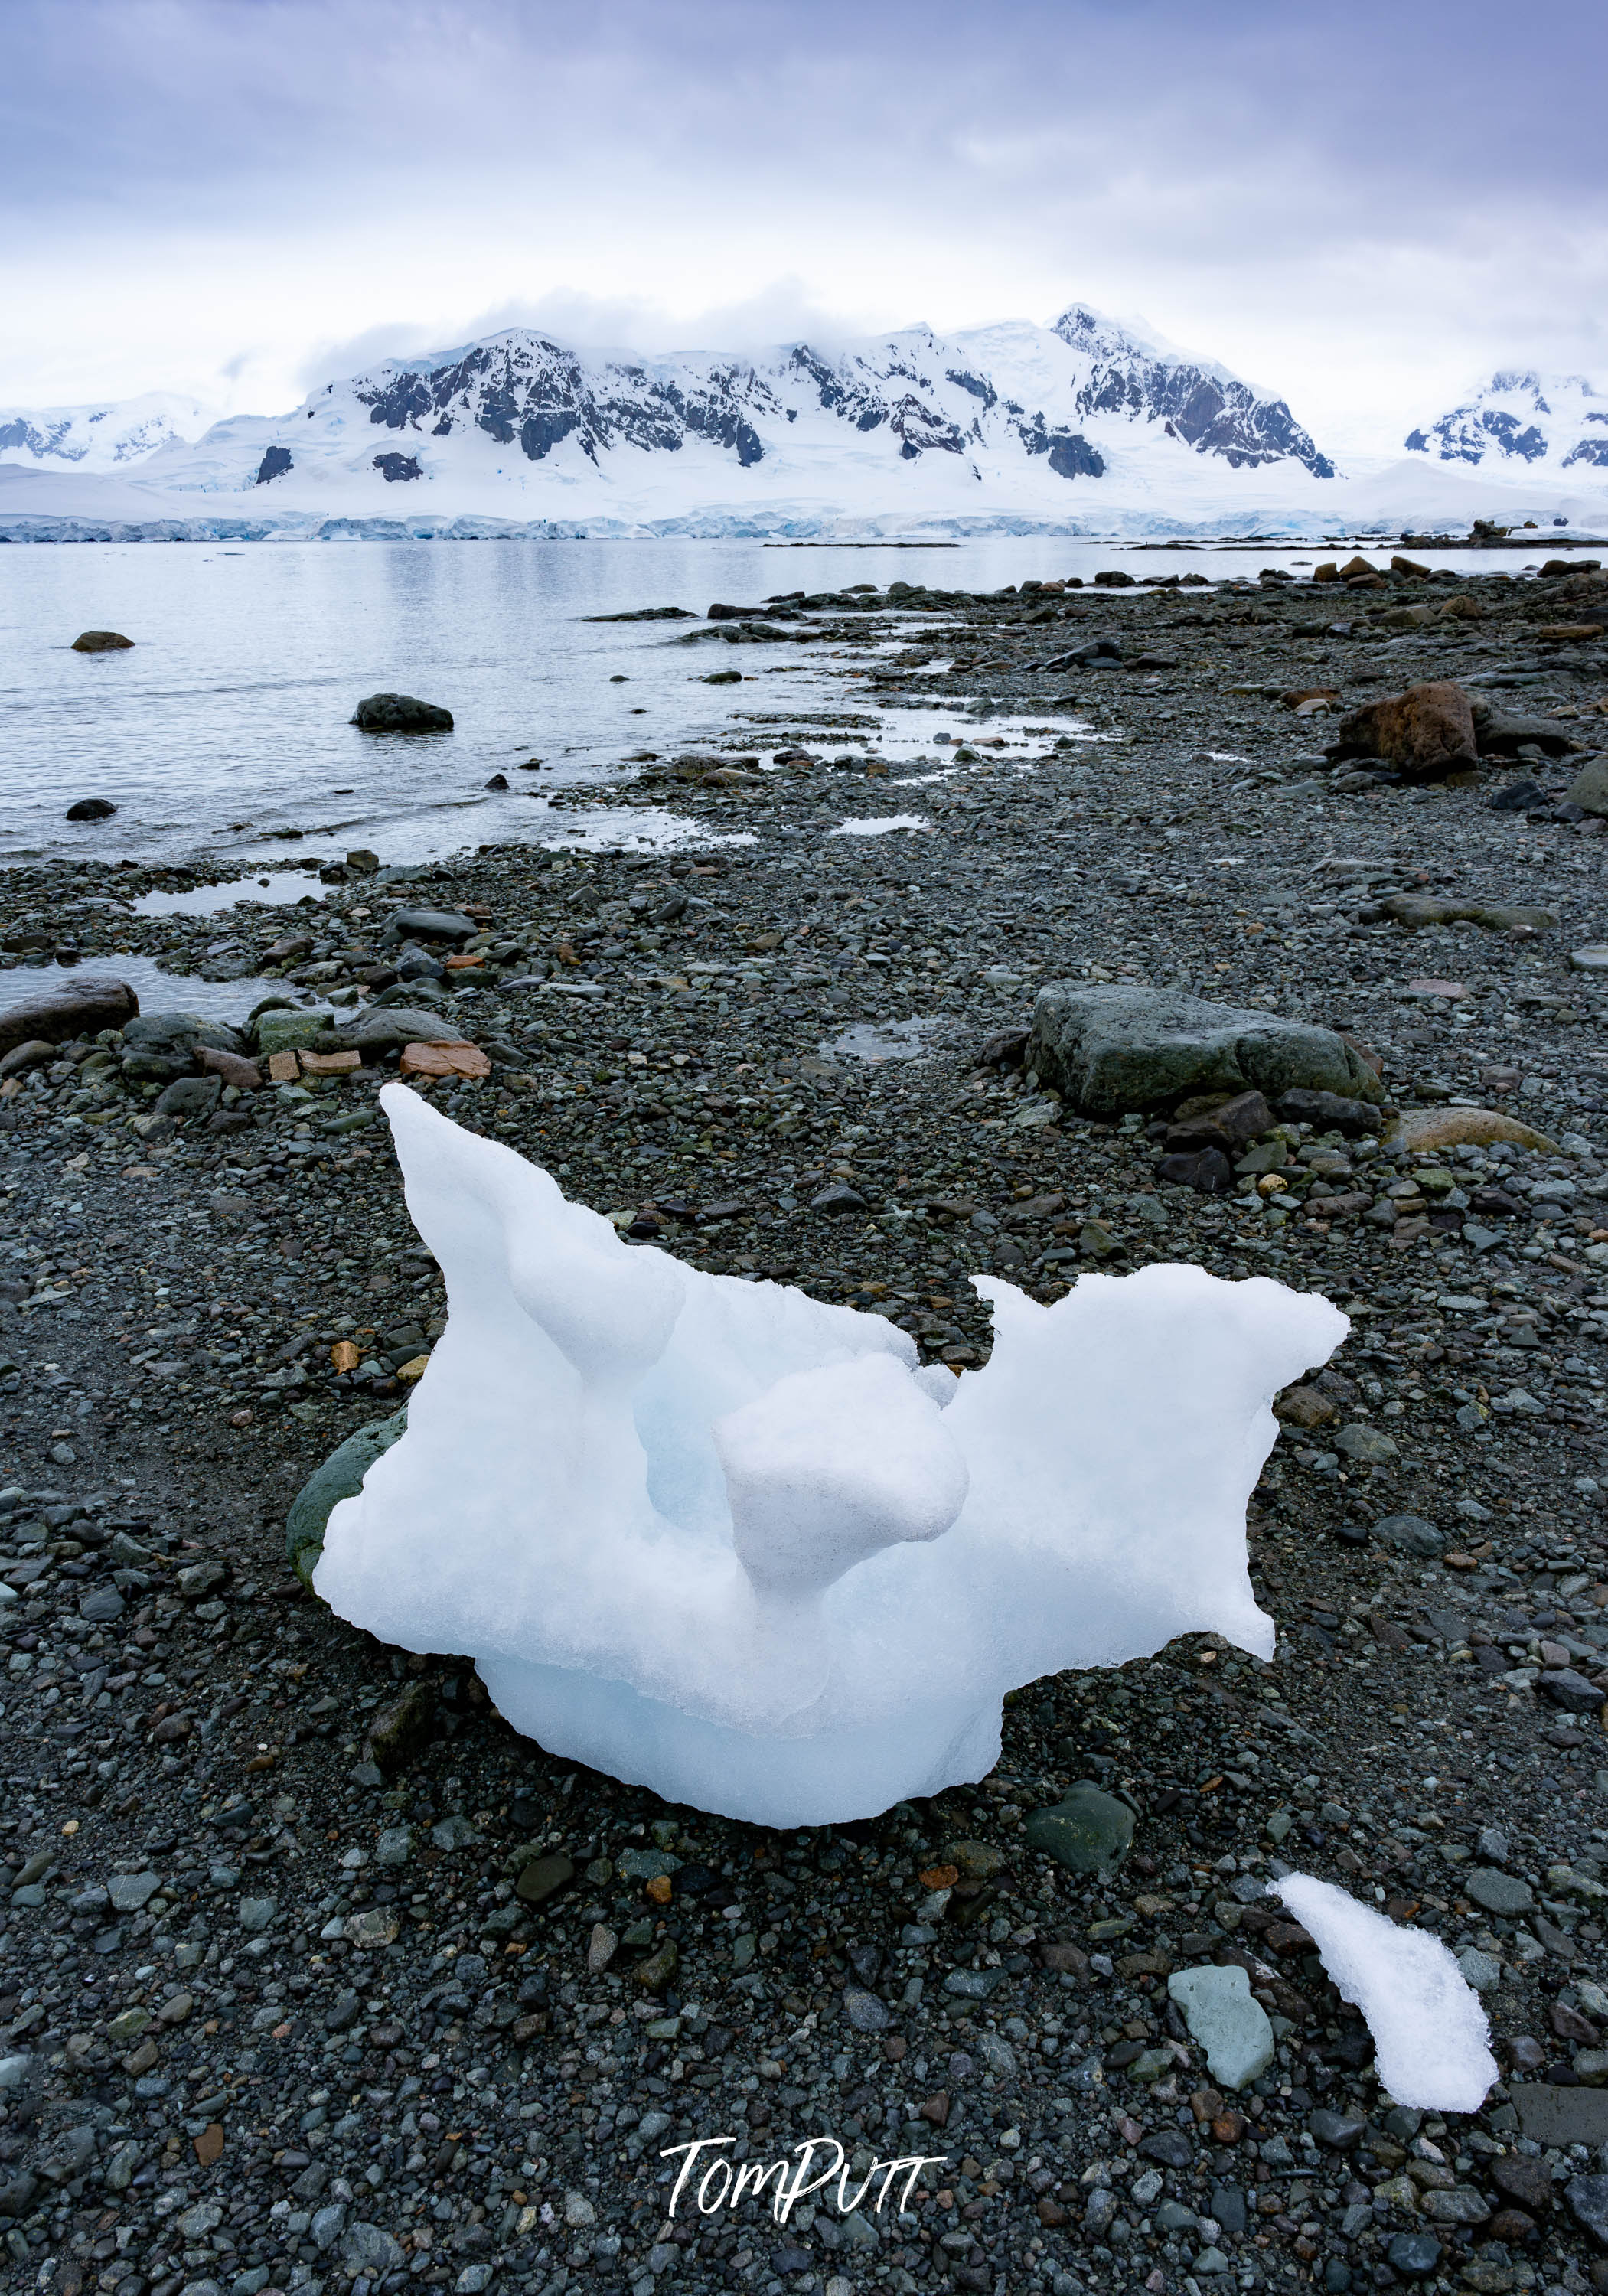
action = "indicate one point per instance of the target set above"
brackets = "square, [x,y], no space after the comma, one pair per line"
[273,464]
[394,467]
[1210,411]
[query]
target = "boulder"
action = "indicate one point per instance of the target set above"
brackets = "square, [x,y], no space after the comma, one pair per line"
[1088,1831]
[1499,735]
[190,1096]
[292,1032]
[1110,1050]
[33,1055]
[183,1033]
[1589,788]
[388,1028]
[1327,1112]
[340,1477]
[91,809]
[91,1003]
[1427,731]
[1231,1125]
[427,924]
[400,713]
[101,642]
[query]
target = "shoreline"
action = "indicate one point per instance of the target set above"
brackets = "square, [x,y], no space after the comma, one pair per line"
[689,1055]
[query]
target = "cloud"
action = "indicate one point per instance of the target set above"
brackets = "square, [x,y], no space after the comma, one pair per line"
[1358,207]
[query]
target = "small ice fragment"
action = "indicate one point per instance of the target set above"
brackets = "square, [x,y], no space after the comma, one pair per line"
[1431,2038]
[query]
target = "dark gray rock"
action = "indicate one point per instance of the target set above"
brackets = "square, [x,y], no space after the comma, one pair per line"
[865,2012]
[366,2248]
[1570,1690]
[340,1477]
[1413,2254]
[400,713]
[1088,1831]
[190,1096]
[1410,1534]
[1588,2199]
[91,809]
[1329,1111]
[427,925]
[1110,1050]
[388,1027]
[1497,1892]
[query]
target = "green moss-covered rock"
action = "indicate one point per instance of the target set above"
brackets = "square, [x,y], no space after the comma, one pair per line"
[340,1477]
[292,1032]
[1088,1831]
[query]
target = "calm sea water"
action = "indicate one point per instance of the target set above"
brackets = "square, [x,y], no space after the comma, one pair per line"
[227,723]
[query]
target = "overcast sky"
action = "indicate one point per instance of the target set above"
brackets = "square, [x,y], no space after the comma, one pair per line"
[1364,206]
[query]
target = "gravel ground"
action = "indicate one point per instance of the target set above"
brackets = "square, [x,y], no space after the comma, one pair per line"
[291,2002]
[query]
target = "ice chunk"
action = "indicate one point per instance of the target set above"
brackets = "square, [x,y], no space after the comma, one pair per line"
[1430,2040]
[721,1539]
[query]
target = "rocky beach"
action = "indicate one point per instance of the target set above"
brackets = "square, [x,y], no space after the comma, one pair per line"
[315,1977]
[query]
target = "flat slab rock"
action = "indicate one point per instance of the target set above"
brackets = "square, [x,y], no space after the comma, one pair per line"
[1224,2019]
[1088,1831]
[1111,1050]
[1550,2115]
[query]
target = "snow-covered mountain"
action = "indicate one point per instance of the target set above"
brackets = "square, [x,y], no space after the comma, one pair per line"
[1083,427]
[1013,420]
[1523,417]
[114,435]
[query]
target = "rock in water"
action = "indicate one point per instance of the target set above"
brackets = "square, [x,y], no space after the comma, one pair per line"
[1228,2024]
[1087,1831]
[721,1539]
[1430,2039]
[1428,731]
[400,713]
[91,809]
[90,1003]
[101,642]
[1110,1050]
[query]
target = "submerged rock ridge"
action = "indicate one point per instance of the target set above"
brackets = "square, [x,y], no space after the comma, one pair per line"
[726,1540]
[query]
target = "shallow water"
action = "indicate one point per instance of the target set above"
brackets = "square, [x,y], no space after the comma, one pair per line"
[157,991]
[223,734]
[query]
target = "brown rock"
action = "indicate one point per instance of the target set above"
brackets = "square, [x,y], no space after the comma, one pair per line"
[329,1063]
[21,1058]
[443,1061]
[1355,568]
[1568,633]
[978,1861]
[140,2060]
[283,1067]
[1429,1129]
[1400,565]
[209,2144]
[1303,1406]
[1524,2180]
[1230,1125]
[244,1074]
[399,1731]
[935,2109]
[101,642]
[93,1003]
[1427,731]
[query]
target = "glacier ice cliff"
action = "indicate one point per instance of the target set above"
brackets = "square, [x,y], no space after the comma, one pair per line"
[723,1540]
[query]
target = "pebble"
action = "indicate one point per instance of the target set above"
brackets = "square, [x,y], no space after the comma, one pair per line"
[266,1210]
